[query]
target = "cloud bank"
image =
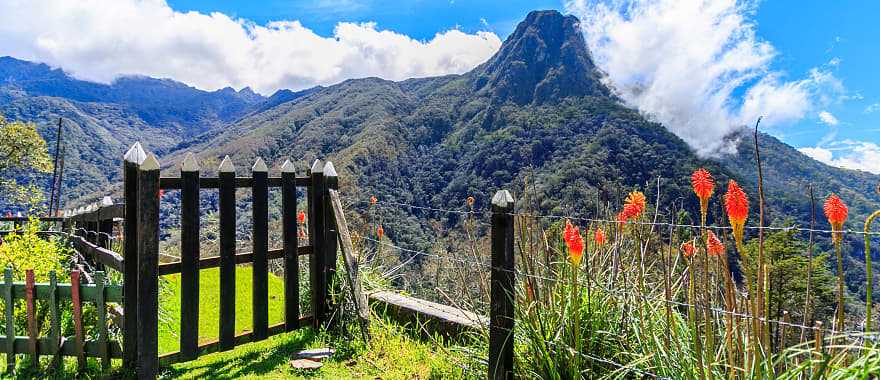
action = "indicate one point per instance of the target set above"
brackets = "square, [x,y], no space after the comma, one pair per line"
[100,40]
[850,154]
[696,66]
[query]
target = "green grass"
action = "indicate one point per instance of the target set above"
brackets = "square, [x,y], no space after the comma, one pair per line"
[393,353]
[209,305]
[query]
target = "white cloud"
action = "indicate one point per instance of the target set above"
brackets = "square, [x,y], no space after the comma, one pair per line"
[834,62]
[871,108]
[827,118]
[850,154]
[696,66]
[100,40]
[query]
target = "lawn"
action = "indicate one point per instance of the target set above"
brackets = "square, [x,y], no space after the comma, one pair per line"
[209,305]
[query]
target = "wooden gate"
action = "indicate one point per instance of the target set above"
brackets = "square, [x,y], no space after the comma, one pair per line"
[143,185]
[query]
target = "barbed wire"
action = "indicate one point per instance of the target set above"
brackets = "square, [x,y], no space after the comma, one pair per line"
[611,362]
[610,221]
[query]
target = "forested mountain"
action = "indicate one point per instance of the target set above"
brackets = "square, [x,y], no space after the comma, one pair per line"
[101,120]
[537,112]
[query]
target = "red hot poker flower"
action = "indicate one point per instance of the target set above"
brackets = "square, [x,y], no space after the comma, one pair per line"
[713,245]
[836,212]
[704,186]
[301,217]
[599,237]
[380,232]
[470,201]
[574,242]
[688,248]
[737,206]
[636,200]
[373,200]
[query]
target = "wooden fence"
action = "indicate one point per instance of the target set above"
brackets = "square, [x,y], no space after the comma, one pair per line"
[57,345]
[141,267]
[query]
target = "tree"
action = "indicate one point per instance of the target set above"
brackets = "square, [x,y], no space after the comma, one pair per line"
[23,156]
[788,262]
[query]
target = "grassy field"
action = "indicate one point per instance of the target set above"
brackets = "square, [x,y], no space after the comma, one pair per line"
[209,303]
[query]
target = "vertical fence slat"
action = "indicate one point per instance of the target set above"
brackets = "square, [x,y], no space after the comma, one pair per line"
[148,272]
[101,306]
[55,321]
[30,299]
[132,161]
[76,300]
[189,258]
[501,312]
[260,239]
[331,236]
[316,233]
[10,320]
[227,254]
[290,245]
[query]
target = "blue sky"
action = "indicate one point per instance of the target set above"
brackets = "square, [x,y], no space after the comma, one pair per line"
[701,67]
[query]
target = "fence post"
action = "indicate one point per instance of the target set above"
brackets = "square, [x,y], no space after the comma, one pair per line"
[189,257]
[501,312]
[260,240]
[291,246]
[132,160]
[148,268]
[317,263]
[105,231]
[227,254]
[331,236]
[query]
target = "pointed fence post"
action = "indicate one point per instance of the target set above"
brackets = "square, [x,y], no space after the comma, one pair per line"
[501,312]
[189,258]
[317,262]
[227,254]
[291,246]
[148,268]
[260,239]
[132,160]
[331,235]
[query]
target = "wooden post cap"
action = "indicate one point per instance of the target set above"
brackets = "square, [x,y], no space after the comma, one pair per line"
[190,163]
[287,167]
[502,199]
[135,154]
[260,166]
[226,165]
[150,163]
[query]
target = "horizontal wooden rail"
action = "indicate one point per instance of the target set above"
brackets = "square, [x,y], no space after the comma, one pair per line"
[25,219]
[433,317]
[174,183]
[88,292]
[68,346]
[42,234]
[102,213]
[241,338]
[101,255]
[241,258]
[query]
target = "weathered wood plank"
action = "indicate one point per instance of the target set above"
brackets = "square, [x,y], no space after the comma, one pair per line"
[260,241]
[501,309]
[103,336]
[132,160]
[316,238]
[77,319]
[173,183]
[438,318]
[31,306]
[189,258]
[10,319]
[55,321]
[227,254]
[98,254]
[351,265]
[290,243]
[148,261]
[240,258]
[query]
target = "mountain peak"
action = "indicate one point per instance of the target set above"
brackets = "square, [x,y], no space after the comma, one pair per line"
[544,59]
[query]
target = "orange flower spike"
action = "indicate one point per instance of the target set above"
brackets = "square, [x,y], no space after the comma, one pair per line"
[568,233]
[301,217]
[704,186]
[836,212]
[380,232]
[636,201]
[575,247]
[737,206]
[599,237]
[714,245]
[470,201]
[688,248]
[373,200]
